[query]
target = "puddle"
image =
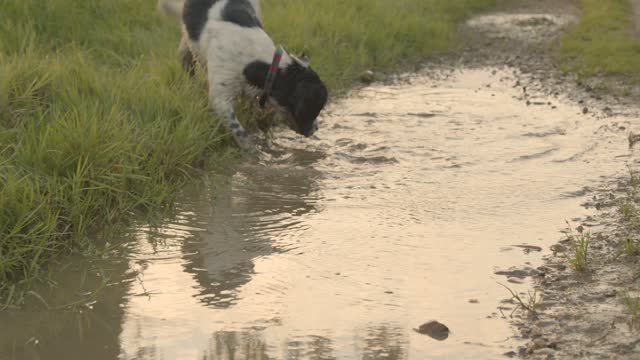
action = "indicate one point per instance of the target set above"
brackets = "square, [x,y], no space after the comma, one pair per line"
[531,28]
[402,211]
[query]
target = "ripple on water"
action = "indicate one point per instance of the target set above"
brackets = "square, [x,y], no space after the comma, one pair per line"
[337,246]
[367,160]
[542,134]
[536,155]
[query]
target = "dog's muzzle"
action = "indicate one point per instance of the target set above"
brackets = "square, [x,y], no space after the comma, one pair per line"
[314,128]
[289,120]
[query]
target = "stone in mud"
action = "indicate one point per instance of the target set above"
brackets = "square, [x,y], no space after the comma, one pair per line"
[422,115]
[546,353]
[557,248]
[536,333]
[514,273]
[529,248]
[434,330]
[368,77]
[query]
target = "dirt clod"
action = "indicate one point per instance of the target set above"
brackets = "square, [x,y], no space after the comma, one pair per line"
[434,330]
[574,320]
[539,343]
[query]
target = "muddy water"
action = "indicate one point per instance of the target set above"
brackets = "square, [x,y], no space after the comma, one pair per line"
[400,212]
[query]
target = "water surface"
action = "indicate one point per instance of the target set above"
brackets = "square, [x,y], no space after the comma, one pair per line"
[399,212]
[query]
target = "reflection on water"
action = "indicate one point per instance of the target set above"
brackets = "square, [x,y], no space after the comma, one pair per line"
[250,220]
[232,345]
[337,247]
[378,343]
[82,328]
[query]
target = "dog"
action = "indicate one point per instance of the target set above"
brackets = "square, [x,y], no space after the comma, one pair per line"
[227,38]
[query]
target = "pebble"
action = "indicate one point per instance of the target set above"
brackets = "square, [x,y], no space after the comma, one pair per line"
[536,332]
[367,76]
[539,343]
[550,354]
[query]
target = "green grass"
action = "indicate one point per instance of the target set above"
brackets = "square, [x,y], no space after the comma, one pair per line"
[602,43]
[579,243]
[630,247]
[629,217]
[580,250]
[98,122]
[343,38]
[530,303]
[632,304]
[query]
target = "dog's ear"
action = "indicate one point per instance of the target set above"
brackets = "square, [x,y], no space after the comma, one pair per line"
[256,73]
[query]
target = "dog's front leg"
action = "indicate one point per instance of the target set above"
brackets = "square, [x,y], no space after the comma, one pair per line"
[221,101]
[231,122]
[187,60]
[240,135]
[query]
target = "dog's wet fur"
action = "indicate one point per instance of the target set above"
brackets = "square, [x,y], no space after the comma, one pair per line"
[227,38]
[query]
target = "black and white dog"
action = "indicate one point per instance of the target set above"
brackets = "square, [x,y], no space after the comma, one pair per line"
[226,37]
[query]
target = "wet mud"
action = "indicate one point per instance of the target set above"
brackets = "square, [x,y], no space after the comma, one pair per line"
[578,314]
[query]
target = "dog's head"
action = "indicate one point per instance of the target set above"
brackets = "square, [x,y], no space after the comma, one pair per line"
[297,92]
[302,96]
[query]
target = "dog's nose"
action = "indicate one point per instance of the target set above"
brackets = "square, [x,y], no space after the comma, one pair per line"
[313,130]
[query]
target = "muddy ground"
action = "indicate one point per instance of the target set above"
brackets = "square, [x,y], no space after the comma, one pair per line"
[581,315]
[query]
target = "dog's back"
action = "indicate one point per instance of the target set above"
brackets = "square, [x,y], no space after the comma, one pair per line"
[174,8]
[197,13]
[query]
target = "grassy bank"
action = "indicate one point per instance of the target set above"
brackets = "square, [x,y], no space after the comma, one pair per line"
[345,37]
[98,121]
[602,42]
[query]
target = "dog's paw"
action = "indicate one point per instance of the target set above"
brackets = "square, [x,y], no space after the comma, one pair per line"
[244,141]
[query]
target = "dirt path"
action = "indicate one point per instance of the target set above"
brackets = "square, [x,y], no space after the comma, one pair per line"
[582,315]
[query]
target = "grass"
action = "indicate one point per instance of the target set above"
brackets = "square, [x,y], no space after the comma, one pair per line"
[530,304]
[579,249]
[630,247]
[96,123]
[633,307]
[343,38]
[629,217]
[630,220]
[602,43]
[99,123]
